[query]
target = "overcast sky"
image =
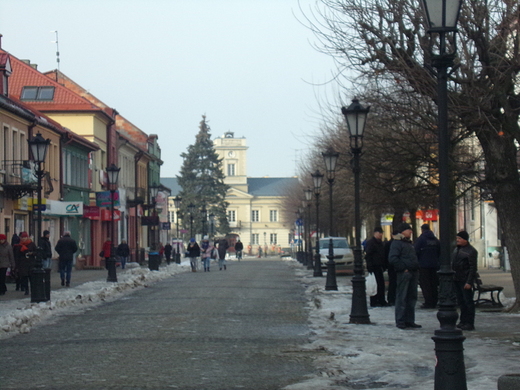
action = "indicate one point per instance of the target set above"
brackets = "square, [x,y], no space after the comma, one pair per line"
[248,65]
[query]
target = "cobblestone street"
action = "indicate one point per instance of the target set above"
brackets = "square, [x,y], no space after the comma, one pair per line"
[232,329]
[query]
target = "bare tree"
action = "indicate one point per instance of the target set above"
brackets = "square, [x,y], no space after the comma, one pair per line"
[385,41]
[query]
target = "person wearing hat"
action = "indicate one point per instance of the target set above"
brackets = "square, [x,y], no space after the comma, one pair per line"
[6,261]
[46,247]
[464,264]
[404,259]
[376,264]
[428,249]
[193,252]
[25,260]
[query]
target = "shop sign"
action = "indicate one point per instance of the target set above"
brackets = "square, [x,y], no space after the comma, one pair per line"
[429,215]
[103,199]
[105,215]
[54,207]
[165,226]
[91,212]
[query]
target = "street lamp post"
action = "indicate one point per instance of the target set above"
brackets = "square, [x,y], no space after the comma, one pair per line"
[317,179]
[301,226]
[177,203]
[355,116]
[39,279]
[308,249]
[211,225]
[204,213]
[113,176]
[450,373]
[191,210]
[330,157]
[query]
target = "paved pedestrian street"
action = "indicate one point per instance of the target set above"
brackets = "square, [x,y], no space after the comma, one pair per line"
[234,329]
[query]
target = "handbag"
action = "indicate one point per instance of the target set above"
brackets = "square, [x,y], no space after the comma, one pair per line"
[371,284]
[102,254]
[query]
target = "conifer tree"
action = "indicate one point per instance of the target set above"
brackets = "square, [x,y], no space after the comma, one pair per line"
[202,181]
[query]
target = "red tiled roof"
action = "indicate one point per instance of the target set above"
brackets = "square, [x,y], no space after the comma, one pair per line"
[25,75]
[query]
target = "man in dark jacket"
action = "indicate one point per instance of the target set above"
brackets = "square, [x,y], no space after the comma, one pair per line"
[404,259]
[66,247]
[376,264]
[464,264]
[239,247]
[45,245]
[428,249]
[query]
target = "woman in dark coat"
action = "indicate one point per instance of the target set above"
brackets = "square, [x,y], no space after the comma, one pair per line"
[193,253]
[25,260]
[123,251]
[222,250]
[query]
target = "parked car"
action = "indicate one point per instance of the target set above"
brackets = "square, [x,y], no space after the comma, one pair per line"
[343,256]
[285,252]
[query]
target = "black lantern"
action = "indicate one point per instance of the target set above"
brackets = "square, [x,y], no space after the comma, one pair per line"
[356,116]
[330,158]
[450,373]
[40,279]
[112,172]
[317,179]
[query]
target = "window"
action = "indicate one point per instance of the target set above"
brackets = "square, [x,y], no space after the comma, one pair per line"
[255,216]
[37,93]
[273,215]
[75,167]
[255,239]
[231,170]
[231,215]
[274,238]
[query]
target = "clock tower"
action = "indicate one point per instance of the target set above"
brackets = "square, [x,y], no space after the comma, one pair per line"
[233,152]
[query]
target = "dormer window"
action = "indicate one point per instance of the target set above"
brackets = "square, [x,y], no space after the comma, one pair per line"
[37,93]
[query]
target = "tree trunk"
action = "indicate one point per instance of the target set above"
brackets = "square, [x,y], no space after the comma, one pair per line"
[503,181]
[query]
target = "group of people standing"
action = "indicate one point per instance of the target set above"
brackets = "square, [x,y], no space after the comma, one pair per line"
[207,251]
[412,264]
[20,257]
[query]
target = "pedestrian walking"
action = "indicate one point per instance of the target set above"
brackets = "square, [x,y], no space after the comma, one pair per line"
[66,247]
[392,276]
[239,247]
[168,253]
[428,249]
[464,264]
[223,246]
[45,244]
[206,252]
[123,251]
[106,251]
[15,239]
[404,259]
[193,251]
[6,261]
[25,260]
[259,251]
[376,264]
[266,248]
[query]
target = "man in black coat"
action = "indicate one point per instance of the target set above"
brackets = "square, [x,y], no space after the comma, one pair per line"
[66,247]
[404,259]
[45,244]
[428,249]
[464,264]
[376,264]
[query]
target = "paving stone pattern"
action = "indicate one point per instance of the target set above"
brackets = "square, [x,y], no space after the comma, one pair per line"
[234,329]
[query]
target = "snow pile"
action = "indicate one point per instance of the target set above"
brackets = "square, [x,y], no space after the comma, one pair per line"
[19,316]
[379,355]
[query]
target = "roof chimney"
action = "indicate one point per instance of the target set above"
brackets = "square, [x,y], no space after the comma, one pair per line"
[1,40]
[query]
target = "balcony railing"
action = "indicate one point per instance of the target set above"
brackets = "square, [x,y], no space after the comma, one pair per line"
[18,178]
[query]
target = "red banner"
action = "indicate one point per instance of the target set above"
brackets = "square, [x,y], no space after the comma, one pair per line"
[429,215]
[105,215]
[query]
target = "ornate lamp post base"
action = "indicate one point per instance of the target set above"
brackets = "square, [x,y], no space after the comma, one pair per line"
[38,286]
[317,266]
[359,311]
[111,267]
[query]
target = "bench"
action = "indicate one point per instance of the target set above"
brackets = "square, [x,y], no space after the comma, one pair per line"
[488,288]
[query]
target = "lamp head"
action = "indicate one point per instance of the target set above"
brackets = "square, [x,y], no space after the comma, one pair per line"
[39,147]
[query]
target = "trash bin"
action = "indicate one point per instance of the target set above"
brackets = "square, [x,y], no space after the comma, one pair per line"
[154,260]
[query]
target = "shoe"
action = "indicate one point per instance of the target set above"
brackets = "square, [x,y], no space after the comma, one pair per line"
[225,268]
[401,326]
[460,325]
[67,285]
[467,327]
[425,306]
[220,268]
[413,325]
[63,282]
[26,292]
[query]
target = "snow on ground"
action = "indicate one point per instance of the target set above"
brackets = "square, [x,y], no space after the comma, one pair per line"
[19,316]
[381,356]
[375,356]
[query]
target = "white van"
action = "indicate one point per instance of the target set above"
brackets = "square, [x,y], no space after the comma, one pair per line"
[343,256]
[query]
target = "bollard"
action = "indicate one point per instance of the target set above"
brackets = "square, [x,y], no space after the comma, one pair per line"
[153,261]
[509,382]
